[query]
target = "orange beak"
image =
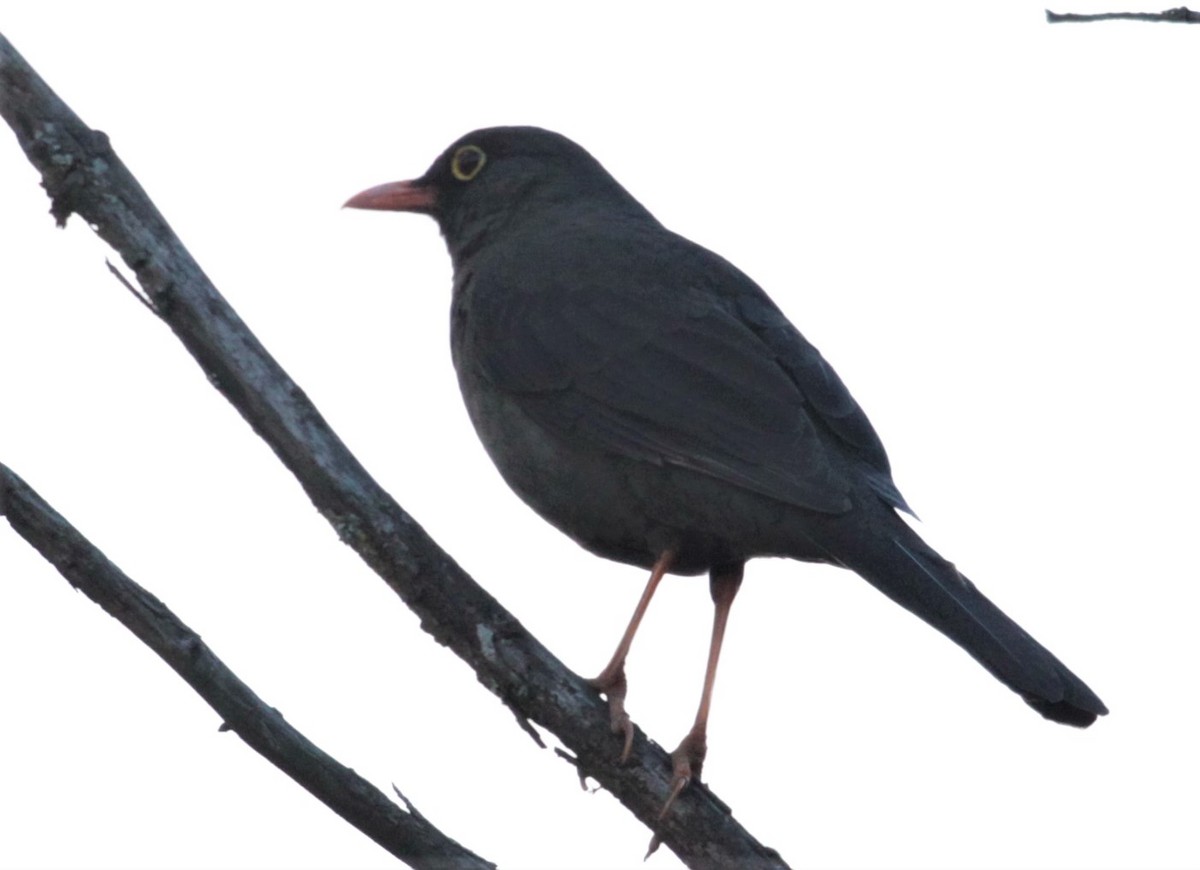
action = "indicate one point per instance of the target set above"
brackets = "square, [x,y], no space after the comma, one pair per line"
[395,196]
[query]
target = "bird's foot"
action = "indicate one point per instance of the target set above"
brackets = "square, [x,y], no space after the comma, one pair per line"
[687,761]
[613,686]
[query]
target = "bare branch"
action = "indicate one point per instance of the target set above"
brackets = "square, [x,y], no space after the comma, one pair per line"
[407,835]
[1178,15]
[83,175]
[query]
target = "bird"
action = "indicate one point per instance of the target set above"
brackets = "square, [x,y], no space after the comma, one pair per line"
[647,398]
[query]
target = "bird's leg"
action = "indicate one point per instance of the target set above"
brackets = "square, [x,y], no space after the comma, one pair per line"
[611,680]
[688,757]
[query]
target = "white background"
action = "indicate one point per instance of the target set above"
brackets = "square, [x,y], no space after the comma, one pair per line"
[985,222]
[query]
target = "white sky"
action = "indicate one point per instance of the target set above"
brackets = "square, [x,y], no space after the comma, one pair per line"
[986,223]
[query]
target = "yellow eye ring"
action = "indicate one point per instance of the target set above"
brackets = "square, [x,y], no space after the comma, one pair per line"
[467,161]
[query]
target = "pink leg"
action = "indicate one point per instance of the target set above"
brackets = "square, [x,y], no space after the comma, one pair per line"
[611,680]
[688,757]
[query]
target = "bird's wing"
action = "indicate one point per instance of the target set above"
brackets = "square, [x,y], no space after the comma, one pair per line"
[824,390]
[660,364]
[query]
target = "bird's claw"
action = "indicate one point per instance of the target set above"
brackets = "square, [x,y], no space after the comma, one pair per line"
[613,686]
[621,724]
[687,761]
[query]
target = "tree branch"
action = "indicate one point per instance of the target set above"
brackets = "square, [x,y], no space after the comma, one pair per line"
[1178,15]
[83,175]
[407,835]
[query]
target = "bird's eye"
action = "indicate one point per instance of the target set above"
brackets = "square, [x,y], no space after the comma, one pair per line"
[467,161]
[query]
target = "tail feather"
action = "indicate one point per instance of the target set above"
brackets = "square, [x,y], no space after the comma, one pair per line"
[911,573]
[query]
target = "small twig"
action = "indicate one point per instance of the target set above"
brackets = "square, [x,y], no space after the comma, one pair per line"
[574,762]
[408,805]
[1178,15]
[528,728]
[137,294]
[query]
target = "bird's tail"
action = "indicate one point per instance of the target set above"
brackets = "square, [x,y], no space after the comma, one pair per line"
[907,570]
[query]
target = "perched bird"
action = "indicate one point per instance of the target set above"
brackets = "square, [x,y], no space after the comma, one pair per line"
[648,399]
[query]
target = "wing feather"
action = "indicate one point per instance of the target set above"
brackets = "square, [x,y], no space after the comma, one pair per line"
[684,361]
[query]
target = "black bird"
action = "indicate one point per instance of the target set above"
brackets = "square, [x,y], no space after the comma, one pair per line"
[648,399]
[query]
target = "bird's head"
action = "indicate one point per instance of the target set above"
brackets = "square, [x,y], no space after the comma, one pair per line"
[496,180]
